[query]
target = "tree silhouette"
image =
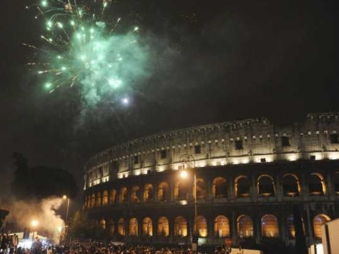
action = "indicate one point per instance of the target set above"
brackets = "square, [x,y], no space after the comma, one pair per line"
[82,227]
[300,239]
[41,181]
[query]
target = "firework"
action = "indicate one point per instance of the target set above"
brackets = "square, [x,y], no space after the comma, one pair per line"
[81,48]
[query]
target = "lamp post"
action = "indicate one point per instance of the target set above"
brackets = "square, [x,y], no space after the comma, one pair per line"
[66,218]
[188,161]
[67,208]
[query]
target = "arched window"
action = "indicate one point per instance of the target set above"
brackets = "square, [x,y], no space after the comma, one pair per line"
[163,192]
[121,227]
[148,193]
[112,196]
[93,200]
[180,190]
[89,204]
[103,223]
[219,188]
[147,227]
[111,227]
[242,186]
[336,182]
[202,226]
[316,185]
[245,226]
[105,198]
[265,186]
[133,227]
[221,226]
[269,226]
[290,227]
[180,226]
[291,186]
[318,221]
[98,202]
[201,188]
[123,195]
[135,194]
[163,227]
[86,202]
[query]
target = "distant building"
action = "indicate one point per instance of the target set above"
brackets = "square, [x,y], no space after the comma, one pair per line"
[249,175]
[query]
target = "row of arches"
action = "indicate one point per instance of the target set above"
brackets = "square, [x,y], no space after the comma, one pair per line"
[265,186]
[221,226]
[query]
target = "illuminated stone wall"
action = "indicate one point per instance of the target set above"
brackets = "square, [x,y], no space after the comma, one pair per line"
[238,142]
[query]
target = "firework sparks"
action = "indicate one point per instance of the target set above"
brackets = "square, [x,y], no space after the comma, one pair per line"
[81,48]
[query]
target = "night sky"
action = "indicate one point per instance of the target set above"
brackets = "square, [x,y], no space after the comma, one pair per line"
[212,61]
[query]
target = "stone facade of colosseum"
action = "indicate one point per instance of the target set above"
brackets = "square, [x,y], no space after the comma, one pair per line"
[246,181]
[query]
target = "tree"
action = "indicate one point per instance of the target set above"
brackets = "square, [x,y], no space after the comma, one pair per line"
[20,184]
[82,227]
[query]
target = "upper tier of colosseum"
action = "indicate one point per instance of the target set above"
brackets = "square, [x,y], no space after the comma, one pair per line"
[226,143]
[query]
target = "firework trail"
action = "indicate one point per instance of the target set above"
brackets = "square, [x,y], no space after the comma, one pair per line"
[80,47]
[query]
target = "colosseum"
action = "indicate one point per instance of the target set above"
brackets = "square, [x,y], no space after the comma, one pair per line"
[245,180]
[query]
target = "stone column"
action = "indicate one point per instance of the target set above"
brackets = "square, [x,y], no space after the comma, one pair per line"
[253,192]
[234,233]
[231,185]
[257,227]
[278,189]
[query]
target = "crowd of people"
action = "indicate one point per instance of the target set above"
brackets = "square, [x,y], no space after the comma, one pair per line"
[9,245]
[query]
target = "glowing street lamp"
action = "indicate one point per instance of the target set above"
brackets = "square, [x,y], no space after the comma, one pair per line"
[188,160]
[34,224]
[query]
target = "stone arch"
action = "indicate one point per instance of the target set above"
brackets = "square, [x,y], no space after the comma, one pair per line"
[180,226]
[318,221]
[133,227]
[163,226]
[316,184]
[336,183]
[269,226]
[98,200]
[147,227]
[221,226]
[201,188]
[89,196]
[219,188]
[135,193]
[112,196]
[148,193]
[163,192]
[180,190]
[242,186]
[111,227]
[202,226]
[93,200]
[244,226]
[86,202]
[265,186]
[291,227]
[123,195]
[105,197]
[121,227]
[290,185]
[103,223]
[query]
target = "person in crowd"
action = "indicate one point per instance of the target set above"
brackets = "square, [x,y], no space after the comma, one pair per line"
[36,246]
